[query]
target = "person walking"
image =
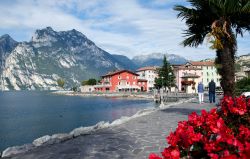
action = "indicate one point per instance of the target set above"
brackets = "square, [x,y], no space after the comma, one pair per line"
[201,92]
[211,91]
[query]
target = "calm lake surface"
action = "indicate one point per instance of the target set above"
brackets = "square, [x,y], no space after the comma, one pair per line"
[27,115]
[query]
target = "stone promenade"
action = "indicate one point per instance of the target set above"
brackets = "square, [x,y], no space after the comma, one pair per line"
[135,139]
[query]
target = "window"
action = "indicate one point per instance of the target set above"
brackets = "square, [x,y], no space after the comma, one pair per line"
[139,83]
[207,74]
[207,80]
[127,77]
[119,83]
[127,83]
[133,82]
[119,77]
[207,67]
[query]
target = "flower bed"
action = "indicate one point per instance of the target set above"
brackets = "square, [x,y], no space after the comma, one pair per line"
[220,133]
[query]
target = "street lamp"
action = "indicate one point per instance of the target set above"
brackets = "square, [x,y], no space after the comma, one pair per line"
[169,74]
[161,92]
[162,82]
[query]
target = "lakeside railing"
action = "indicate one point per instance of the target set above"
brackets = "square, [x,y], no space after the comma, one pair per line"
[166,97]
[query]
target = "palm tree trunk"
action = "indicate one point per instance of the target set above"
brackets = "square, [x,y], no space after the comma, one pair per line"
[228,70]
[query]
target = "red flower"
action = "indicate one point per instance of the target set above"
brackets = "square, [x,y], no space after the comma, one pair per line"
[195,119]
[171,153]
[213,156]
[172,139]
[222,133]
[154,156]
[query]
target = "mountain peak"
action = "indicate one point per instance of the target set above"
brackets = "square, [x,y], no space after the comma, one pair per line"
[44,35]
[7,37]
[7,43]
[155,59]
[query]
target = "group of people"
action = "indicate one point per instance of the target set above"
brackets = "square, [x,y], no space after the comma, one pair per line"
[211,92]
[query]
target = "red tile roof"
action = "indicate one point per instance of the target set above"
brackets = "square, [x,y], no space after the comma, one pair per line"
[202,63]
[119,71]
[183,67]
[147,68]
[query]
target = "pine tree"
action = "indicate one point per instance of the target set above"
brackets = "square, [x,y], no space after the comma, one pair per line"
[166,76]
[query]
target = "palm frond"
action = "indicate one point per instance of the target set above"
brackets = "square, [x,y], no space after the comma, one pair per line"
[198,20]
[202,13]
[246,7]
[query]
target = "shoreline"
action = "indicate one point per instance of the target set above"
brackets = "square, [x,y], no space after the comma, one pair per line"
[109,95]
[61,137]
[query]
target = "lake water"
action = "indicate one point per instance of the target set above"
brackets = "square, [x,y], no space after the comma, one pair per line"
[27,115]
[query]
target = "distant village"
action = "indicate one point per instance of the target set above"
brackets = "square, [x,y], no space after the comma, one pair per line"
[187,77]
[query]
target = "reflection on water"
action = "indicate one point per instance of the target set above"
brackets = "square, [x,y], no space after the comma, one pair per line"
[26,115]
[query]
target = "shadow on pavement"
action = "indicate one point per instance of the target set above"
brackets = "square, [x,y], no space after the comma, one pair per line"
[184,111]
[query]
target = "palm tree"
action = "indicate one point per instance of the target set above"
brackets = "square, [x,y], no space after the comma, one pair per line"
[220,21]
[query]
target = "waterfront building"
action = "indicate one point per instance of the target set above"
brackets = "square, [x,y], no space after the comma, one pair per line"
[240,75]
[148,73]
[243,72]
[247,72]
[187,77]
[121,81]
[208,73]
[87,88]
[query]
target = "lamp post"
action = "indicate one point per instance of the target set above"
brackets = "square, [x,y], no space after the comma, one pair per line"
[161,92]
[169,83]
[162,82]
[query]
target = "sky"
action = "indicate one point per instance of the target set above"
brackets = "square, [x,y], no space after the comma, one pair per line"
[126,27]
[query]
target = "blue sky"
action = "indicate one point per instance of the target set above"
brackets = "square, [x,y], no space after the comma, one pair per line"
[127,27]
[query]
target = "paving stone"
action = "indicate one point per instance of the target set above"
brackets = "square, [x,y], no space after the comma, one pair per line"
[136,138]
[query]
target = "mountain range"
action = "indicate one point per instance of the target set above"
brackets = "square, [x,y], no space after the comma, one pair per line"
[68,55]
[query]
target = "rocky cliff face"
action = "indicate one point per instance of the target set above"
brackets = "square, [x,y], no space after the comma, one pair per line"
[7,44]
[68,55]
[52,55]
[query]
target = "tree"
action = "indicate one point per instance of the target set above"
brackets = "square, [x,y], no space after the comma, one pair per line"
[166,76]
[220,21]
[91,81]
[243,85]
[74,88]
[60,83]
[85,82]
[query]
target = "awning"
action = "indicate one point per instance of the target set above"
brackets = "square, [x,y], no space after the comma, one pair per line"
[128,87]
[102,86]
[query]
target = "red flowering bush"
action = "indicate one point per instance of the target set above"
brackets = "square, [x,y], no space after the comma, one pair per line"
[220,133]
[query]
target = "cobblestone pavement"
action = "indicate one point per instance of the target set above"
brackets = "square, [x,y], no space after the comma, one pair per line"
[134,139]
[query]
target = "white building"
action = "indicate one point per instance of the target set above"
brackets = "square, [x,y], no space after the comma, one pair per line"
[87,88]
[149,74]
[208,73]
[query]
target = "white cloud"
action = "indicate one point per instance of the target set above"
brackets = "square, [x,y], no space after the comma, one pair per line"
[117,26]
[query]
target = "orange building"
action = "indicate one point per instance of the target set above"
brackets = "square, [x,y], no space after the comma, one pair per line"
[121,81]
